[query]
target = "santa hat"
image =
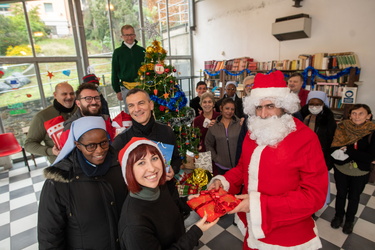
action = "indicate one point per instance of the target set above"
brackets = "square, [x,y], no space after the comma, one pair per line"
[271,87]
[122,120]
[90,78]
[123,155]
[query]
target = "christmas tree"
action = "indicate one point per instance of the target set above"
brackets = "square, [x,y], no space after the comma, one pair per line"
[159,80]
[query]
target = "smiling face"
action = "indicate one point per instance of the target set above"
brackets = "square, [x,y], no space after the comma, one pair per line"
[92,108]
[201,89]
[140,107]
[227,110]
[295,83]
[128,35]
[148,170]
[359,116]
[64,94]
[92,137]
[207,104]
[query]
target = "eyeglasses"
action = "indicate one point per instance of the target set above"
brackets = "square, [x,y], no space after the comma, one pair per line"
[315,105]
[92,146]
[90,98]
[128,35]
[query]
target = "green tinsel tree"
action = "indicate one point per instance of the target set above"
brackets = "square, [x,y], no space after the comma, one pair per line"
[159,80]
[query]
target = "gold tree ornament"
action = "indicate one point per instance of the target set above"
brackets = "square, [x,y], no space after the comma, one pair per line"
[159,80]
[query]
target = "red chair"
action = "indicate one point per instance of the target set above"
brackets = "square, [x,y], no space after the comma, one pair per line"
[9,145]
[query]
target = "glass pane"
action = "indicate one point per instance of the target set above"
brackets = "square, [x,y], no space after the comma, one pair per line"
[176,15]
[125,12]
[96,23]
[51,28]
[152,25]
[54,73]
[184,76]
[13,32]
[102,69]
[178,11]
[97,26]
[19,98]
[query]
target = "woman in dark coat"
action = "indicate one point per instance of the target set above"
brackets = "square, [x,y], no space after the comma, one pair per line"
[318,116]
[151,218]
[82,196]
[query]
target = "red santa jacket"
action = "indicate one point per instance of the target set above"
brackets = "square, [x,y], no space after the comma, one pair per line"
[286,185]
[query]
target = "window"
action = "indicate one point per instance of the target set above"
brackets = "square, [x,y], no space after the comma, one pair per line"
[48,8]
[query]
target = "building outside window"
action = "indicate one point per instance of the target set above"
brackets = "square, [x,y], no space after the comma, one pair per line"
[35,58]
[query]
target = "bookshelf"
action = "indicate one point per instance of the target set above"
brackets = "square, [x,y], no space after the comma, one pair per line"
[333,87]
[335,90]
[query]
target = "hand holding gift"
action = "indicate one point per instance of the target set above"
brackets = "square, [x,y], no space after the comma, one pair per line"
[213,203]
[244,206]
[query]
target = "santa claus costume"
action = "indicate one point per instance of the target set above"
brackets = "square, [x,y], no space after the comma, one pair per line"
[286,179]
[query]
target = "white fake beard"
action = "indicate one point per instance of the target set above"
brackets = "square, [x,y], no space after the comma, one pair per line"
[272,130]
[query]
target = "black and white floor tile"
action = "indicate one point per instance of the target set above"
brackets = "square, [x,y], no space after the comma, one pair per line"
[20,191]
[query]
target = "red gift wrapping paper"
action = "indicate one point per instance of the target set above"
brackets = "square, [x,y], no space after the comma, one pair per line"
[215,203]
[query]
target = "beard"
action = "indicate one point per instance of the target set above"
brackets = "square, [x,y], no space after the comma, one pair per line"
[271,130]
[86,111]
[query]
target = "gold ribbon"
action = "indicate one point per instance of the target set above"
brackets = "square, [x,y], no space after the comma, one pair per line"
[198,178]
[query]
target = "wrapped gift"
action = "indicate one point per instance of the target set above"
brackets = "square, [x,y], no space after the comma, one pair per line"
[214,203]
[193,182]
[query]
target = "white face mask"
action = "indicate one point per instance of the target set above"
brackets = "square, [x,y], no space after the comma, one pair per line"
[315,109]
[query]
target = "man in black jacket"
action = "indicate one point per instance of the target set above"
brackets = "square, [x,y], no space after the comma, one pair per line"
[144,125]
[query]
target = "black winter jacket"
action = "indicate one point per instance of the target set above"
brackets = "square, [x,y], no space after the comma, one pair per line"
[77,211]
[159,132]
[325,126]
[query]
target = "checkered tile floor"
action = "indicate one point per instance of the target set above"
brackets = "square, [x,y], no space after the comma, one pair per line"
[20,191]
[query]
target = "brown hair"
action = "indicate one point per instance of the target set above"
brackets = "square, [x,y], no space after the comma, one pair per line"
[126,27]
[296,74]
[135,155]
[358,106]
[85,86]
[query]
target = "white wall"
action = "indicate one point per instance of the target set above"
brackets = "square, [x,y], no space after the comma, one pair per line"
[234,28]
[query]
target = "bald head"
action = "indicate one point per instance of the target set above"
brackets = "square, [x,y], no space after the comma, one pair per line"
[64,94]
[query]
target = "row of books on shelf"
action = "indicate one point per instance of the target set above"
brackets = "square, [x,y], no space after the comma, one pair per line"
[338,94]
[325,61]
[236,64]
[322,61]
[331,89]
